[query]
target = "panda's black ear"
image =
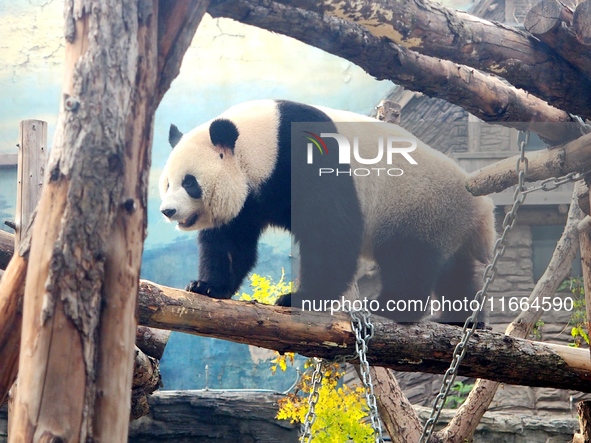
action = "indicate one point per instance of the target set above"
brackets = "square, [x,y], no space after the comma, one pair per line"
[174,136]
[223,133]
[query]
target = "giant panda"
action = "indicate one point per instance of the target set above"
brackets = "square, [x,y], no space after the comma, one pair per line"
[259,165]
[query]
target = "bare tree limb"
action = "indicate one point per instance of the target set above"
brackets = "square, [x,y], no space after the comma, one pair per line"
[485,96]
[396,412]
[421,347]
[12,285]
[574,156]
[457,36]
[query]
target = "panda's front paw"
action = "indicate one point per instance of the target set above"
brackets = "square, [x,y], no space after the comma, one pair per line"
[204,288]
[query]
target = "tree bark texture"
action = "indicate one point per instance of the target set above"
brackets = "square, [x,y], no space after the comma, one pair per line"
[433,30]
[574,156]
[146,379]
[584,411]
[421,347]
[551,21]
[151,341]
[485,96]
[79,326]
[396,412]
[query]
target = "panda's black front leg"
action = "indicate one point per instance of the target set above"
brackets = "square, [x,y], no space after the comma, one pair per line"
[226,255]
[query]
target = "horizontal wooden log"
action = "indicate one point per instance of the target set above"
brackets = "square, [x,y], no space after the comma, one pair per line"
[574,156]
[485,96]
[420,347]
[151,341]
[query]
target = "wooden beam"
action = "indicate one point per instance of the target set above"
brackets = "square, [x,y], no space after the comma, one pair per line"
[32,150]
[420,347]
[574,156]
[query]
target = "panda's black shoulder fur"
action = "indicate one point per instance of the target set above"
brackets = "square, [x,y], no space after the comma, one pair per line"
[279,192]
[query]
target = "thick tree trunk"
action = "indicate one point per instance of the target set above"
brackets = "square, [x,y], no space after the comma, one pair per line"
[87,240]
[485,96]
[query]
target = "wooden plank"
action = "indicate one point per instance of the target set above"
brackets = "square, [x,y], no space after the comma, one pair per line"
[31,166]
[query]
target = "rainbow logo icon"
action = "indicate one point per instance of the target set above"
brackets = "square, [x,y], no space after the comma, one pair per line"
[318,142]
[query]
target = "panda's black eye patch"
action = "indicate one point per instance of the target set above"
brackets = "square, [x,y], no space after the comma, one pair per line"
[190,185]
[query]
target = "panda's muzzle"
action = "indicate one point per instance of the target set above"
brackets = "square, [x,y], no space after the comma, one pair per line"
[189,222]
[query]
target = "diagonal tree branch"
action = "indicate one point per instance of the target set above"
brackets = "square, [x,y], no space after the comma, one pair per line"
[432,29]
[483,95]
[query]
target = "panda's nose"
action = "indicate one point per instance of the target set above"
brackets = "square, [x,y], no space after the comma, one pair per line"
[168,212]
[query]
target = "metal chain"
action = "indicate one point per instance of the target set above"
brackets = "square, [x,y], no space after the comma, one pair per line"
[489,275]
[554,182]
[364,330]
[310,417]
[584,127]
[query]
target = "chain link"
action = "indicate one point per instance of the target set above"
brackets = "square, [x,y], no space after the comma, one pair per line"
[554,182]
[364,330]
[584,127]
[310,417]
[488,277]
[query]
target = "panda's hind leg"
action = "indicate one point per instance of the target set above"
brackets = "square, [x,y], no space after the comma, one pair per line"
[327,267]
[456,288]
[409,270]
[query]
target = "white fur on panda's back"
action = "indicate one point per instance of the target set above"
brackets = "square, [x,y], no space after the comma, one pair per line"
[429,197]
[256,148]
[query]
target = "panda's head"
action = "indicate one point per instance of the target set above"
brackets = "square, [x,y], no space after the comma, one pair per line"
[202,185]
[213,168]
